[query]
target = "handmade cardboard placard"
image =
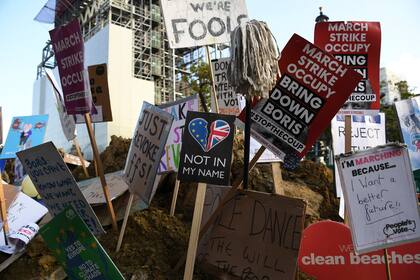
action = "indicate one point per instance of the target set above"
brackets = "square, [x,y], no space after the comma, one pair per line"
[190,23]
[206,152]
[408,112]
[336,257]
[76,249]
[146,149]
[367,132]
[56,184]
[379,192]
[358,45]
[25,132]
[178,109]
[256,236]
[312,88]
[98,80]
[67,43]
[74,160]
[230,102]
[68,124]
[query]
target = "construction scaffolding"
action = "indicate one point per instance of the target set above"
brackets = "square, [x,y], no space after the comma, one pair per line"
[152,58]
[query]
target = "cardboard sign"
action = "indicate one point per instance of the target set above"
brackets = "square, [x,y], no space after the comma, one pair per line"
[67,122]
[75,160]
[257,236]
[337,258]
[379,192]
[98,79]
[312,88]
[367,132]
[25,132]
[358,45]
[408,112]
[92,188]
[77,250]
[67,43]
[23,211]
[146,150]
[192,23]
[206,153]
[56,184]
[179,110]
[230,102]
[266,157]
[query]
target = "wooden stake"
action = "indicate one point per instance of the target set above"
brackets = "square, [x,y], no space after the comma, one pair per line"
[277,178]
[247,140]
[174,198]
[3,209]
[347,149]
[195,231]
[124,225]
[79,154]
[100,171]
[388,269]
[213,87]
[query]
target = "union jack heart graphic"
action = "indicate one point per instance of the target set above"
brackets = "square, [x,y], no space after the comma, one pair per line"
[219,131]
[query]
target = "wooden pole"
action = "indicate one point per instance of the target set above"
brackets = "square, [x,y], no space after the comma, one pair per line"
[247,140]
[347,149]
[277,178]
[100,171]
[174,198]
[3,209]
[79,154]
[213,87]
[388,269]
[124,225]
[195,231]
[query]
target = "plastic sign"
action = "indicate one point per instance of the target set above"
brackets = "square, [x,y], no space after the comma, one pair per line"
[379,192]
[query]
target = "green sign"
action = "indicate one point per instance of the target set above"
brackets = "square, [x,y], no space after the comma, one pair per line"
[77,249]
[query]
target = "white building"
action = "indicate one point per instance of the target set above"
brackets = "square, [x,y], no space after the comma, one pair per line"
[389,90]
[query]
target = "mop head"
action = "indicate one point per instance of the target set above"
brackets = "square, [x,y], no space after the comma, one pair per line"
[253,62]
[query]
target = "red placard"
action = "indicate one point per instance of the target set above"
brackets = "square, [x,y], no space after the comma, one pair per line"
[312,88]
[326,252]
[68,46]
[358,45]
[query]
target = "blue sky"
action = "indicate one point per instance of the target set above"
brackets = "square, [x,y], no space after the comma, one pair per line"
[22,39]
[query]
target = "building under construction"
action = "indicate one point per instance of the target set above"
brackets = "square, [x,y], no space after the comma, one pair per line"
[128,35]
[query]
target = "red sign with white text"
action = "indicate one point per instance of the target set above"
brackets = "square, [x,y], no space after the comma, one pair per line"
[312,88]
[68,46]
[326,252]
[358,45]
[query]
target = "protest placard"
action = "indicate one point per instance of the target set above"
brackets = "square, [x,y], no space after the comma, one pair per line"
[25,132]
[230,102]
[408,112]
[190,23]
[67,43]
[358,45]
[321,259]
[1,126]
[178,109]
[23,211]
[146,149]
[56,184]
[367,132]
[312,88]
[206,153]
[68,124]
[76,249]
[98,80]
[379,192]
[256,236]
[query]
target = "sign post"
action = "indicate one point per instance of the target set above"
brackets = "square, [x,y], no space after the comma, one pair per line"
[3,208]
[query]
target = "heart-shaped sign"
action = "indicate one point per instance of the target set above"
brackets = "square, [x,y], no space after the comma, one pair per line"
[326,252]
[219,131]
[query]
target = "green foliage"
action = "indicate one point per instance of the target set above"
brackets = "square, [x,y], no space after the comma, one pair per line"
[199,80]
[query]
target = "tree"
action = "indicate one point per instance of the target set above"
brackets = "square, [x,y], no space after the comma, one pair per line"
[199,81]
